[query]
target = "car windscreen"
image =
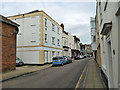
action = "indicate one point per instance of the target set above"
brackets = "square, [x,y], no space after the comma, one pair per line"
[55,58]
[69,57]
[17,58]
[61,57]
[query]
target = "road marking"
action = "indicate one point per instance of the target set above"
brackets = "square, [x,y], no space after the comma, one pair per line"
[80,77]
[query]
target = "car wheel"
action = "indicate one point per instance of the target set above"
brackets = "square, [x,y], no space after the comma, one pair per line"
[21,63]
[62,64]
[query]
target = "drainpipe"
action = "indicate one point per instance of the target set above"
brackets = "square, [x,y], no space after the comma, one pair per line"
[118,14]
[22,36]
[119,51]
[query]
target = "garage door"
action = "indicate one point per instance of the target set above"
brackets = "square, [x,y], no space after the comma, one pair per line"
[45,56]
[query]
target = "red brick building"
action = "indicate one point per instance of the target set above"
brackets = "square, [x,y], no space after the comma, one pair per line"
[8,32]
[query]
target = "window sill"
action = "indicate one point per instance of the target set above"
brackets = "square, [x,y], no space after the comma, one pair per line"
[32,41]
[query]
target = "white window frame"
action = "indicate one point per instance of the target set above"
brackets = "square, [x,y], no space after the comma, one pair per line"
[46,38]
[45,22]
[58,30]
[65,42]
[53,27]
[53,40]
[58,42]
[53,53]
[58,53]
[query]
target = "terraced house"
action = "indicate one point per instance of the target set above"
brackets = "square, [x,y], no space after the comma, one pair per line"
[67,42]
[39,38]
[108,25]
[76,50]
[93,37]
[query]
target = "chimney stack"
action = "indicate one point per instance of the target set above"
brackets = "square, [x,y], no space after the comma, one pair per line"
[62,25]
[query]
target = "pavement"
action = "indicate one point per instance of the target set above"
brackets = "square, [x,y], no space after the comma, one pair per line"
[22,70]
[93,78]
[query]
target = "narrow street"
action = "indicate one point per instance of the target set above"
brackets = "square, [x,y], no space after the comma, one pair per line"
[65,76]
[82,37]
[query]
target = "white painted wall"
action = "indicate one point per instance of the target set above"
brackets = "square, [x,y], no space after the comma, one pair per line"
[119,51]
[109,15]
[51,34]
[49,57]
[93,34]
[70,41]
[29,57]
[65,43]
[65,38]
[29,31]
[29,35]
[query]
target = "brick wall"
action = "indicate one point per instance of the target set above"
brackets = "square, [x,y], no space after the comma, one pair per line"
[8,48]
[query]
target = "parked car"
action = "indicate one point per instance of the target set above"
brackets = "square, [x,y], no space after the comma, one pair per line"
[81,56]
[85,56]
[59,60]
[77,57]
[19,62]
[68,59]
[89,55]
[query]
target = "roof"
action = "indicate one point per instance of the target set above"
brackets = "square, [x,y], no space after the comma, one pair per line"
[5,20]
[65,32]
[76,38]
[35,11]
[26,13]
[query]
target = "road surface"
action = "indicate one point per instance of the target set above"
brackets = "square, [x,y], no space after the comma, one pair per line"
[65,76]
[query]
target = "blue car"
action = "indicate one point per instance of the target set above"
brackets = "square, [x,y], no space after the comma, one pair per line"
[59,60]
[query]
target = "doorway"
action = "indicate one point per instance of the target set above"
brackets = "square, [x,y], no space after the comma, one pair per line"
[111,81]
[45,56]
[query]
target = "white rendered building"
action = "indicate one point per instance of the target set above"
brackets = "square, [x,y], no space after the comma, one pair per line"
[109,30]
[93,37]
[39,37]
[67,42]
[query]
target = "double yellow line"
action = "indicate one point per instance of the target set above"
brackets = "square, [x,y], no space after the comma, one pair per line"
[80,77]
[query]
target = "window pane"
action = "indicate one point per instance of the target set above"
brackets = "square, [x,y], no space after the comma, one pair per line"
[53,26]
[45,37]
[45,22]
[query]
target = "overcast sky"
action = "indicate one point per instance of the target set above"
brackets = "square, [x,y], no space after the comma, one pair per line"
[74,15]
